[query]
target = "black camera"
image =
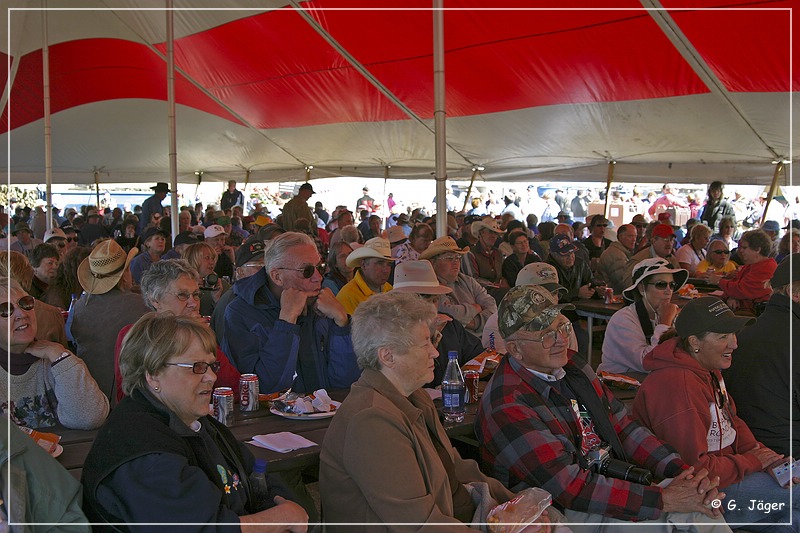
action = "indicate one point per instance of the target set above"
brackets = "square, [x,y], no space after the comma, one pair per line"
[209,282]
[600,460]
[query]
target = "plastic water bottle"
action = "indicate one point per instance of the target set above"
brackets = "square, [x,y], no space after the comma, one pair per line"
[259,493]
[453,390]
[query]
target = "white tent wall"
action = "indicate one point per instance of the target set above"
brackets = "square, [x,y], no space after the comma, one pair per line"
[694,138]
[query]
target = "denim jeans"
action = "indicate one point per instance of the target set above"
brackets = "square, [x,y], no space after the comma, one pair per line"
[758,499]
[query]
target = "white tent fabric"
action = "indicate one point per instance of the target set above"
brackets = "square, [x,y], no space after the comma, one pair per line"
[531,94]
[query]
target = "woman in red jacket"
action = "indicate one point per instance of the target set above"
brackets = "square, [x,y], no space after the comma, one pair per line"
[172,287]
[749,284]
[685,404]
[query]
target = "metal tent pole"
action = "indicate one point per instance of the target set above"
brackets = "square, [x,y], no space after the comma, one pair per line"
[173,143]
[439,118]
[48,150]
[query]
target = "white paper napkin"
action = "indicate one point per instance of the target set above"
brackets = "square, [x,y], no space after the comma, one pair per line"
[283,442]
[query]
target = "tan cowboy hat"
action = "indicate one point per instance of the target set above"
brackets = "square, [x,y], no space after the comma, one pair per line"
[396,234]
[442,245]
[104,267]
[376,247]
[485,223]
[418,277]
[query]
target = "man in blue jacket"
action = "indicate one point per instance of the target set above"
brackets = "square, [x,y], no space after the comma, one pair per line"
[283,328]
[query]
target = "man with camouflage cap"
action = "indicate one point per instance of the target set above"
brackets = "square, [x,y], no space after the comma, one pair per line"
[544,416]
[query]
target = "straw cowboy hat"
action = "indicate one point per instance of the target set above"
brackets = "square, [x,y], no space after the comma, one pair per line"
[395,234]
[418,277]
[485,223]
[442,245]
[377,247]
[104,267]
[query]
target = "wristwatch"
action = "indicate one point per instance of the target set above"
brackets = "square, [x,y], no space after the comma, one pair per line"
[61,357]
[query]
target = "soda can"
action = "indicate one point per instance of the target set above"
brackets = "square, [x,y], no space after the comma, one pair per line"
[248,393]
[609,295]
[223,405]
[471,378]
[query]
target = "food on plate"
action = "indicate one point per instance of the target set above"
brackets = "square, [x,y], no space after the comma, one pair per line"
[620,381]
[317,402]
[517,514]
[689,291]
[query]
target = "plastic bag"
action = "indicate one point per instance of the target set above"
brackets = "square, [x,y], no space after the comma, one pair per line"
[519,512]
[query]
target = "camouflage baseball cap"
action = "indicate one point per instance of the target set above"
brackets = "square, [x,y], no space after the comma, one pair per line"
[528,307]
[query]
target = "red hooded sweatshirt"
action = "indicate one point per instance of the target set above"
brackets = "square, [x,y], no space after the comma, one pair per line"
[678,402]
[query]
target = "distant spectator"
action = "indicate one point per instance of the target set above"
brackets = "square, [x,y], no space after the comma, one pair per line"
[44,261]
[790,244]
[611,265]
[521,255]
[373,264]
[716,206]
[693,253]
[718,259]
[231,197]
[418,241]
[25,242]
[154,242]
[65,285]
[153,205]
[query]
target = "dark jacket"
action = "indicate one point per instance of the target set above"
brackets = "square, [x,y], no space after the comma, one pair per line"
[573,279]
[711,214]
[762,378]
[205,473]
[258,342]
[454,337]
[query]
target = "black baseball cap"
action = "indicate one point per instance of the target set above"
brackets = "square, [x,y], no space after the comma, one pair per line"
[708,313]
[250,249]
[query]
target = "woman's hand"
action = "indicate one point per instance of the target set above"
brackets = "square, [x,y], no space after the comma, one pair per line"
[45,350]
[285,516]
[667,312]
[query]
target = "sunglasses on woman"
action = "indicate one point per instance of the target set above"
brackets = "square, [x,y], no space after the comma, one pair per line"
[662,285]
[200,367]
[26,303]
[308,270]
[721,252]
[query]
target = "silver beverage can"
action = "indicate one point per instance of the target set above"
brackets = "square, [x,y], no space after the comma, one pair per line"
[609,299]
[248,393]
[223,405]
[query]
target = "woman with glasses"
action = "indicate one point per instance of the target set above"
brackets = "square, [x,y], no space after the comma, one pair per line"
[748,285]
[718,259]
[171,287]
[161,457]
[685,403]
[635,329]
[49,385]
[596,243]
[727,229]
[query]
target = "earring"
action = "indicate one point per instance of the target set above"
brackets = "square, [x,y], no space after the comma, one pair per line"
[696,350]
[157,389]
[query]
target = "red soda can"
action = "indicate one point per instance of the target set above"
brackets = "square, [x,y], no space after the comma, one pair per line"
[471,378]
[609,295]
[223,405]
[248,393]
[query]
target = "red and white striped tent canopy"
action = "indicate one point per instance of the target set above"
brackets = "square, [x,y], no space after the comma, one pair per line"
[684,91]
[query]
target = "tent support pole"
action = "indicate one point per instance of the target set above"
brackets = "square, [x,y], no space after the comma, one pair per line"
[469,189]
[246,185]
[440,117]
[48,149]
[772,188]
[384,211]
[173,143]
[609,179]
[97,188]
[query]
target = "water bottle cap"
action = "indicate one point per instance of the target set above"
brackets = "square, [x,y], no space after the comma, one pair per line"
[260,466]
[452,354]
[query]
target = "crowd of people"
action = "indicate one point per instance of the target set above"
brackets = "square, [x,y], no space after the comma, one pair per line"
[110,322]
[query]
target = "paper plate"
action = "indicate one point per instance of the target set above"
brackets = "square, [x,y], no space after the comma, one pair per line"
[311,416]
[57,451]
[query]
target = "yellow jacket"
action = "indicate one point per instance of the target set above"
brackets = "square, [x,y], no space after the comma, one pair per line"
[356,291]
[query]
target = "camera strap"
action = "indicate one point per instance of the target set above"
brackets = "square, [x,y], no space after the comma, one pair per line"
[598,407]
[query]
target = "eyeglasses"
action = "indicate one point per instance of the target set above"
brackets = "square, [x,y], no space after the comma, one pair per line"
[184,296]
[26,303]
[662,285]
[640,225]
[252,265]
[601,225]
[548,339]
[720,252]
[59,244]
[200,367]
[308,270]
[71,239]
[451,258]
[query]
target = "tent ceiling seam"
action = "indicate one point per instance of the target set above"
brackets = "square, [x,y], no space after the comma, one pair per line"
[684,47]
[205,91]
[366,73]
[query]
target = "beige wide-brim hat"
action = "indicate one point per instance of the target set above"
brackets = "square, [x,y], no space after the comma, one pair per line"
[442,245]
[104,267]
[418,277]
[377,247]
[485,223]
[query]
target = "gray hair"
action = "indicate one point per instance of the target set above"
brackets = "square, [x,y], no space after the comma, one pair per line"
[350,235]
[370,332]
[160,274]
[155,338]
[279,248]
[699,231]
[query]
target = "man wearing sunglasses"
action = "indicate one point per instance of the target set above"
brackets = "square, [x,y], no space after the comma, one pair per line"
[283,327]
[662,244]
[545,415]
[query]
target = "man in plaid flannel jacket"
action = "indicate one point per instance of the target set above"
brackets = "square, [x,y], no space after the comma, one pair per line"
[542,413]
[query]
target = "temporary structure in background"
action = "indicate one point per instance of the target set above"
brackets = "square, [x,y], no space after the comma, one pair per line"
[269,90]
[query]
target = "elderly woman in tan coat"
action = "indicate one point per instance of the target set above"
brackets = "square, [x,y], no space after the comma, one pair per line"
[386,458]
